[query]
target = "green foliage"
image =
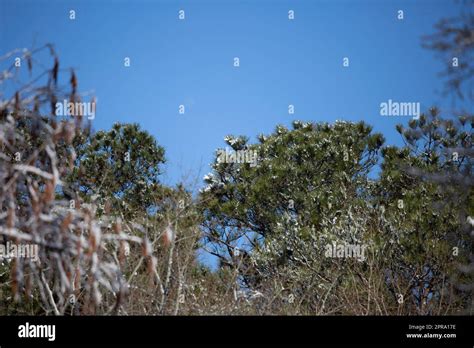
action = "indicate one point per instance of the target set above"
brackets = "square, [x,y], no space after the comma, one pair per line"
[426,189]
[269,221]
[119,168]
[311,188]
[304,175]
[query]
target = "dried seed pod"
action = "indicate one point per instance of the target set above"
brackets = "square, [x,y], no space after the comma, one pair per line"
[168,236]
[146,248]
[66,222]
[55,71]
[73,82]
[29,62]
[10,217]
[124,251]
[118,226]
[48,194]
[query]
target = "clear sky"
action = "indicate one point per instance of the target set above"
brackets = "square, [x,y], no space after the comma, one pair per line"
[190,62]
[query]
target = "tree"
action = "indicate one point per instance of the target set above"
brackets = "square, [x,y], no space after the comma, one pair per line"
[426,206]
[303,178]
[119,169]
[454,42]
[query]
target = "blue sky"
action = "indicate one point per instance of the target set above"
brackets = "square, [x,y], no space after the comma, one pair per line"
[190,62]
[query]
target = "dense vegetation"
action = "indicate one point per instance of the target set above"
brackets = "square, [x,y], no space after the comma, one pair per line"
[314,219]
